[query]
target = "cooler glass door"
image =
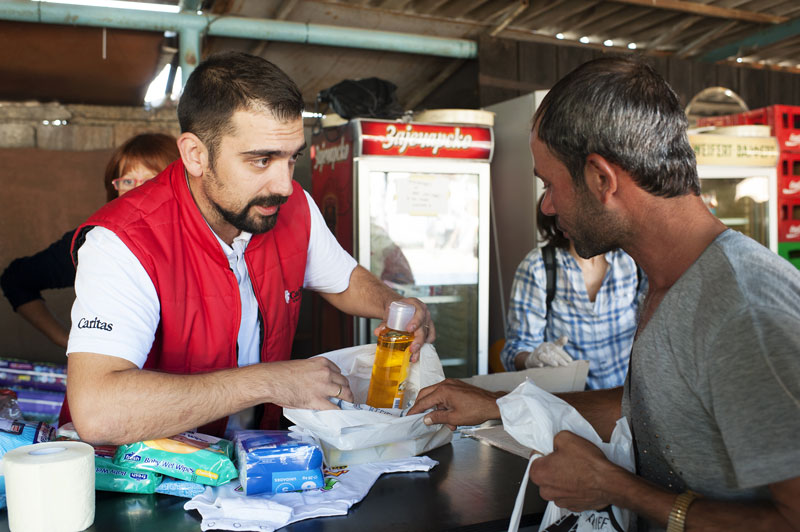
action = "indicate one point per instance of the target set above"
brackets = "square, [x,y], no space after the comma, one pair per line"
[421,233]
[744,199]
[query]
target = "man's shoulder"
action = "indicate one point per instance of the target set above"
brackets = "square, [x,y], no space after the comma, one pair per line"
[738,266]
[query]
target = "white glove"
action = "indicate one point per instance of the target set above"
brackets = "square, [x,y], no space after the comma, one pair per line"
[549,354]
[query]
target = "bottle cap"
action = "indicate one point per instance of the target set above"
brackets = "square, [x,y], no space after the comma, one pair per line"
[399,315]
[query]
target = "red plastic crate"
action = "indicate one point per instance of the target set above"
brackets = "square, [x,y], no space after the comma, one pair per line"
[754,117]
[789,220]
[784,122]
[717,121]
[789,175]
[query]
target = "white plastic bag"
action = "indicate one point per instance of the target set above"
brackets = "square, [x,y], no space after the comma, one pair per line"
[533,417]
[350,437]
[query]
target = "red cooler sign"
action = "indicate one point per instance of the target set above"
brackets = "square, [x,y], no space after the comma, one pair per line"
[425,140]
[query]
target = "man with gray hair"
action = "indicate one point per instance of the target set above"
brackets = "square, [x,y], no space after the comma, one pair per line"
[188,288]
[712,393]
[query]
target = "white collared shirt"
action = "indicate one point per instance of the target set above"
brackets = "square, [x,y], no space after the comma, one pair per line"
[111,286]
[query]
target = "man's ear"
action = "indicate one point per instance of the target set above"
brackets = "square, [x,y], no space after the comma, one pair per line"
[194,154]
[602,177]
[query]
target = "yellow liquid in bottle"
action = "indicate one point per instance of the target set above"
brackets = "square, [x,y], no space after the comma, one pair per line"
[390,369]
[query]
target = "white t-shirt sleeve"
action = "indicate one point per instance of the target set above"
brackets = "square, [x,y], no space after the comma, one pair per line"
[116,310]
[328,266]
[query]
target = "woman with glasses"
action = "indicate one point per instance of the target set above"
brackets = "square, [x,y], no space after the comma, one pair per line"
[139,159]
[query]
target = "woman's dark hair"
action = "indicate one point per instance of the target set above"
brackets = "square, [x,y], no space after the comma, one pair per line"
[546,225]
[152,150]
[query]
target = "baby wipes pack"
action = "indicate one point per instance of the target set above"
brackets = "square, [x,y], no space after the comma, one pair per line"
[187,456]
[107,475]
[276,461]
[180,488]
[111,477]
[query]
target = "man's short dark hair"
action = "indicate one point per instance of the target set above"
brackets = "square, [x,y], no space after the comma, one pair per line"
[624,111]
[231,81]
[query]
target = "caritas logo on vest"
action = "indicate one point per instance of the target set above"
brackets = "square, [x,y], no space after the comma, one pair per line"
[293,296]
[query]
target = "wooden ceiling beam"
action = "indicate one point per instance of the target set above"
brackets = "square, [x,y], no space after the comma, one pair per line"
[541,9]
[601,12]
[755,40]
[620,20]
[706,10]
[693,46]
[397,5]
[509,18]
[673,32]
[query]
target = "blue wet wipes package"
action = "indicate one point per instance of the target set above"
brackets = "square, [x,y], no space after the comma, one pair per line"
[180,488]
[275,461]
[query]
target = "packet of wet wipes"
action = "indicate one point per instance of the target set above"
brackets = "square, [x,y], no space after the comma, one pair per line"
[111,477]
[187,456]
[180,488]
[276,461]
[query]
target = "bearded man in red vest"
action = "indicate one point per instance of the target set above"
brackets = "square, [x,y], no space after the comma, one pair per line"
[188,288]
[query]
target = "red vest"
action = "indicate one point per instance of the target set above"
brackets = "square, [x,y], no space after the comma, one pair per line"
[199,296]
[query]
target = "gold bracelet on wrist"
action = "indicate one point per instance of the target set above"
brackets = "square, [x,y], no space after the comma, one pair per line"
[677,516]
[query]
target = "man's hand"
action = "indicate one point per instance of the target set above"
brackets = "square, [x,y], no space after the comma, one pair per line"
[421,325]
[456,403]
[307,383]
[575,474]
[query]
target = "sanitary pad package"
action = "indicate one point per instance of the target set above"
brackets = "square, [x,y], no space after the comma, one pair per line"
[187,456]
[275,461]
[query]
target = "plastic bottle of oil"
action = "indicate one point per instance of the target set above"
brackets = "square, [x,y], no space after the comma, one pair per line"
[390,369]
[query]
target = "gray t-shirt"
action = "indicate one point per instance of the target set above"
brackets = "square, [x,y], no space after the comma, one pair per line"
[713,390]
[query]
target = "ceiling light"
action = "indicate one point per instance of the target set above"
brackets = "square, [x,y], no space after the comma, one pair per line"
[309,114]
[584,40]
[155,95]
[632,46]
[119,4]
[559,36]
[608,42]
[739,59]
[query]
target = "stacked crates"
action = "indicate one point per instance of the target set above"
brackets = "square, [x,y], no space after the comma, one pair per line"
[784,124]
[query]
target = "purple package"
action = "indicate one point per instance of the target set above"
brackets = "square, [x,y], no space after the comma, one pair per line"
[35,375]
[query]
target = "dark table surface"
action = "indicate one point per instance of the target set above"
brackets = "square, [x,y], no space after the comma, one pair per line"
[473,489]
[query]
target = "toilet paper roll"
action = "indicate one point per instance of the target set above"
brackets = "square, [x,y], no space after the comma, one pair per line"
[50,487]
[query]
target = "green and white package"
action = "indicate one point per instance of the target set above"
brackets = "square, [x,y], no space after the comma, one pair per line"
[110,477]
[187,456]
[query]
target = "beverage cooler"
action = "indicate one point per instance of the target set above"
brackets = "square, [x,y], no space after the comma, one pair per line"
[738,182]
[410,201]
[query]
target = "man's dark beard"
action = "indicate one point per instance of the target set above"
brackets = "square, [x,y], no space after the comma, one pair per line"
[593,232]
[256,223]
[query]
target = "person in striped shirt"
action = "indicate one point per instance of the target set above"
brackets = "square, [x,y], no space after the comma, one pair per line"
[592,315]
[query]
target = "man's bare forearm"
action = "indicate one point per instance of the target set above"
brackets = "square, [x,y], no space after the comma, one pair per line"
[601,408]
[654,503]
[114,402]
[366,295]
[132,405]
